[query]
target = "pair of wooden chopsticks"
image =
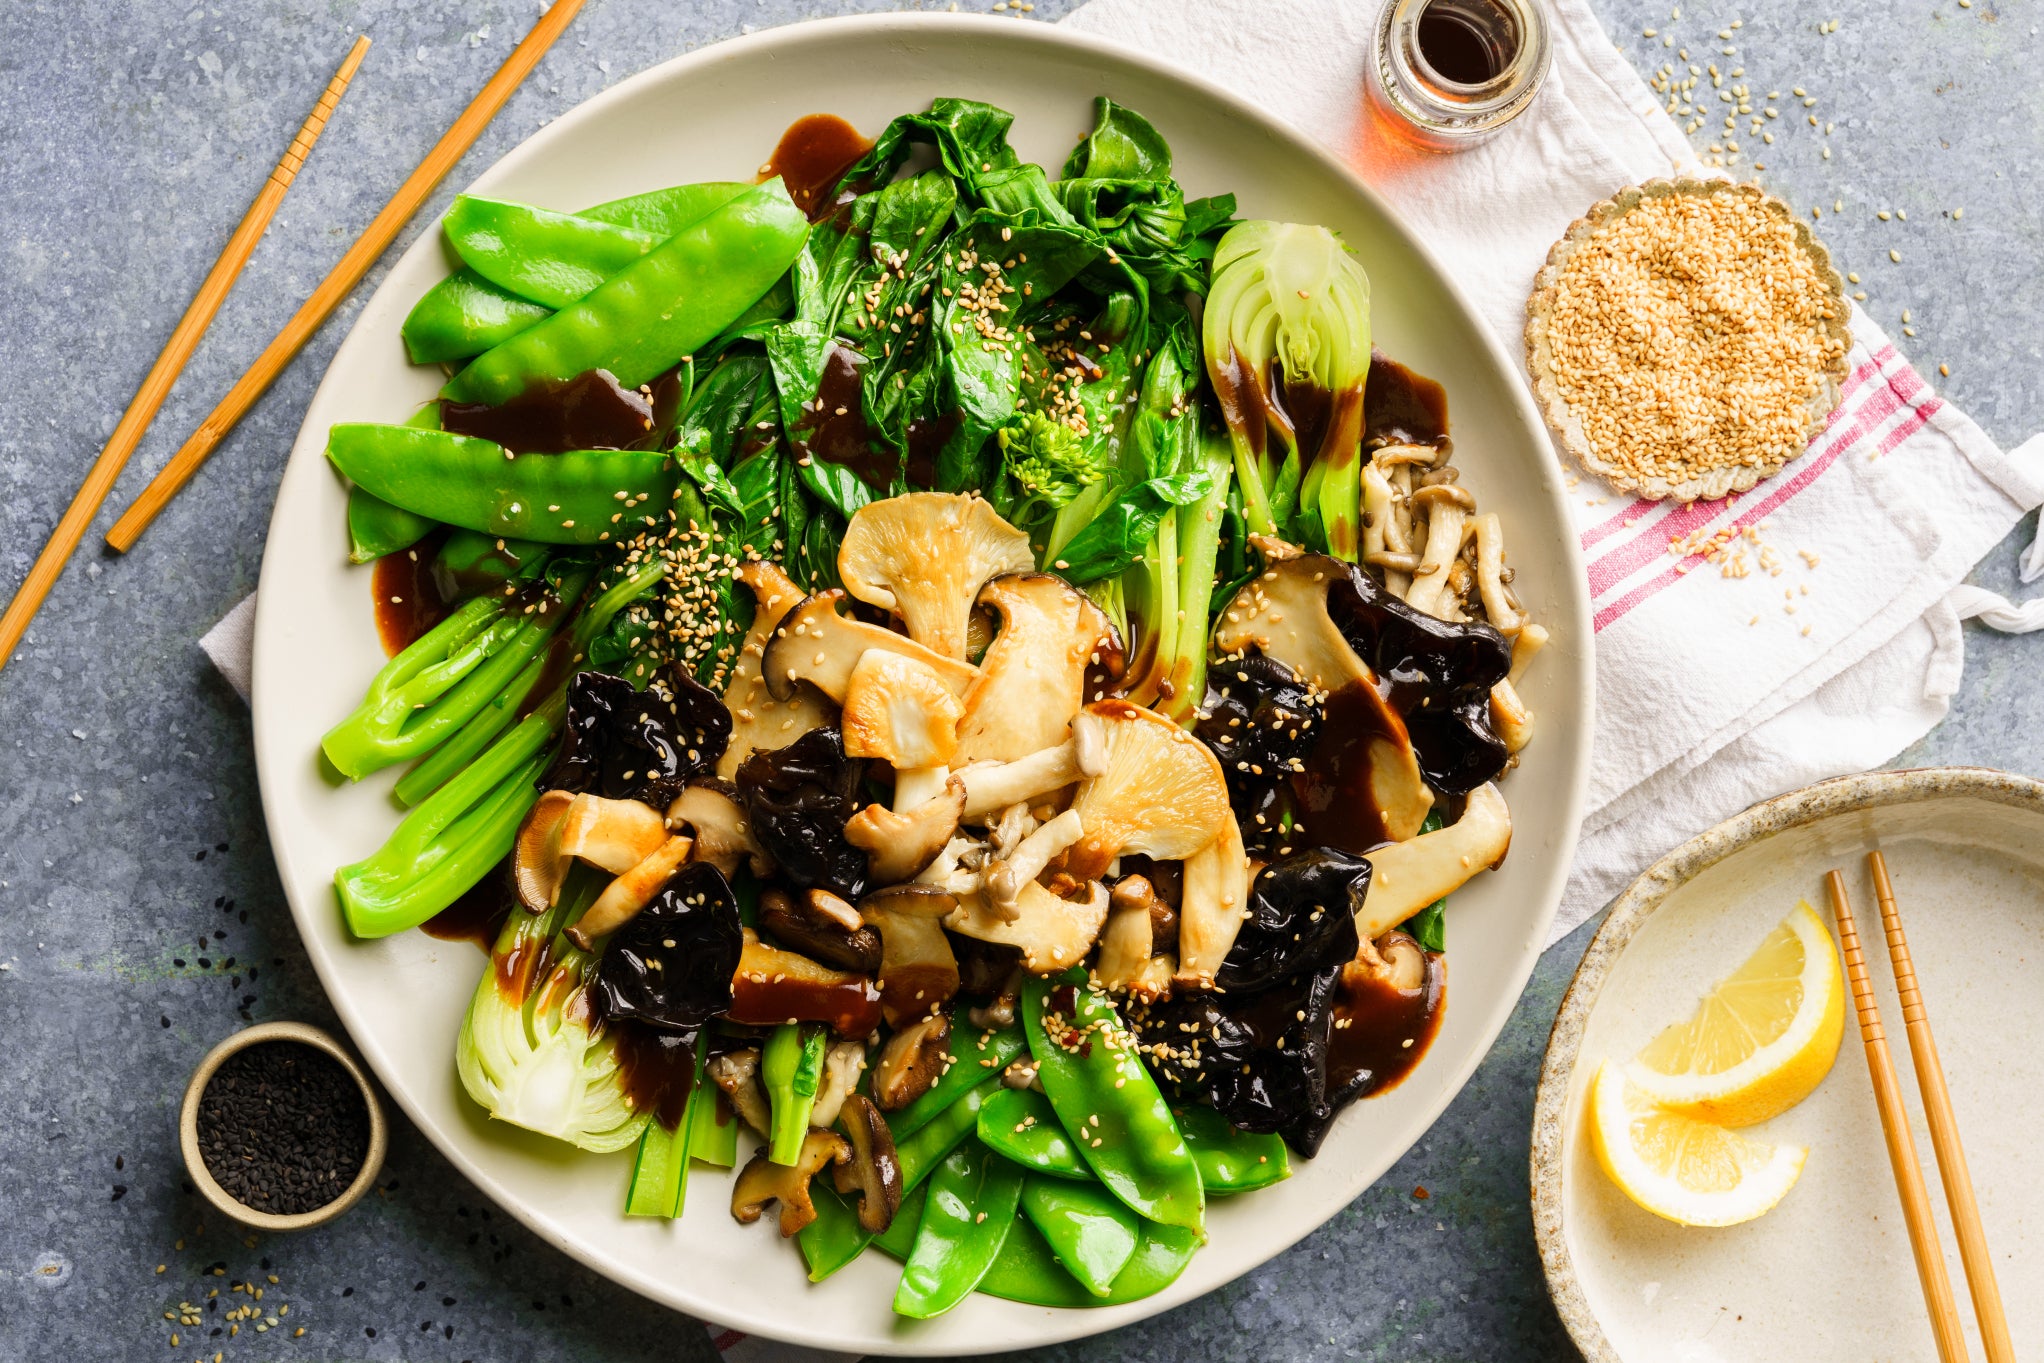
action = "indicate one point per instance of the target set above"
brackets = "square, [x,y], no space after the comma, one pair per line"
[1944,1134]
[70,528]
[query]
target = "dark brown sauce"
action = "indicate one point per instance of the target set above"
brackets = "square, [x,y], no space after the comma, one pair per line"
[852,1007]
[518,968]
[1332,799]
[1401,407]
[835,429]
[409,598]
[927,437]
[478,916]
[811,157]
[1382,1030]
[911,992]
[591,411]
[1457,49]
[657,1069]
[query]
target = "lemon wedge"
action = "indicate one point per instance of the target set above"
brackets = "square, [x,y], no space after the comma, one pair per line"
[1676,1167]
[1762,1040]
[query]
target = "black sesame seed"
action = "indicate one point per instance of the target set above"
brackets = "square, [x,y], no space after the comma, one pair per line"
[283,1127]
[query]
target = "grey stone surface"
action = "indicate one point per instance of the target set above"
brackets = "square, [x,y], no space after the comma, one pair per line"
[140,918]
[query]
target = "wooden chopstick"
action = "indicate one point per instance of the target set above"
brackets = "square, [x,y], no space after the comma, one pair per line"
[156,384]
[341,280]
[1923,1231]
[1944,1129]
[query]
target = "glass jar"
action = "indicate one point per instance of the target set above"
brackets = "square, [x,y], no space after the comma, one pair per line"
[1447,74]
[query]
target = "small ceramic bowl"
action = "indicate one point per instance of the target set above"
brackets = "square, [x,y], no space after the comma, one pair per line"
[188,1128]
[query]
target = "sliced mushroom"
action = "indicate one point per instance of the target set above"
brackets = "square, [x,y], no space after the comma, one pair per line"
[1282,612]
[899,709]
[1125,942]
[1214,903]
[911,1061]
[718,822]
[995,786]
[1407,876]
[899,845]
[1393,556]
[1053,933]
[613,834]
[843,1063]
[538,865]
[1004,879]
[773,986]
[1510,717]
[918,969]
[957,867]
[736,1075]
[808,924]
[1159,791]
[815,644]
[925,556]
[762,1182]
[1447,508]
[1022,1073]
[1394,959]
[622,899]
[874,1171]
[758,720]
[1033,678]
[1498,605]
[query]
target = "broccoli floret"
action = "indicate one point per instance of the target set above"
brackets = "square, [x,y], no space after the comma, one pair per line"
[1047,464]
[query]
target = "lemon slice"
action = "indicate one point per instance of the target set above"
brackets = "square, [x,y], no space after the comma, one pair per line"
[1676,1167]
[1759,1042]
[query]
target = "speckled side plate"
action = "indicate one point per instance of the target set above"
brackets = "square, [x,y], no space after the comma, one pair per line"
[715,114]
[1827,1274]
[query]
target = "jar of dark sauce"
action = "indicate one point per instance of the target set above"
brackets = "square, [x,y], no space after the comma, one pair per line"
[1447,74]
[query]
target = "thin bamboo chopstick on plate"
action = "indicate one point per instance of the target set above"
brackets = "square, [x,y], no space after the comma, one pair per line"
[1916,1213]
[157,383]
[1944,1129]
[341,280]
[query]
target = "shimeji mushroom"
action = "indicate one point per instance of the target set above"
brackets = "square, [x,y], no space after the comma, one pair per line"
[900,842]
[761,1183]
[633,890]
[1053,933]
[843,1063]
[1032,679]
[992,786]
[718,823]
[1447,509]
[1159,791]
[918,970]
[925,556]
[911,1061]
[1405,877]
[1282,612]
[1212,904]
[815,644]
[758,718]
[1004,877]
[1126,964]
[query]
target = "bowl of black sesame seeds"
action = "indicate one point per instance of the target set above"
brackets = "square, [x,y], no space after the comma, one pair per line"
[280,1127]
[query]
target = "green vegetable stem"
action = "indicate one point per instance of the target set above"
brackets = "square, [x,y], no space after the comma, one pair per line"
[966,1217]
[660,1170]
[791,1066]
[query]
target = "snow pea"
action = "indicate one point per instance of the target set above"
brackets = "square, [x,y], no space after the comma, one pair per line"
[463,315]
[376,528]
[466,481]
[900,1236]
[1027,1271]
[1019,1124]
[1104,1096]
[549,258]
[663,212]
[974,1055]
[1089,1231]
[1230,1159]
[647,316]
[969,1208]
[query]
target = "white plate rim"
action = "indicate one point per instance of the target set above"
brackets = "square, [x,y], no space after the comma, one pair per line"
[1629,913]
[1034,1326]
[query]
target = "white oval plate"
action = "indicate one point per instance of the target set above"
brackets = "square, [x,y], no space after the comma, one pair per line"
[715,115]
[1826,1277]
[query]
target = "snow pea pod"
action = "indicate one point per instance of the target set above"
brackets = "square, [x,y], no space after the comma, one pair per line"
[1087,1229]
[466,481]
[463,315]
[1104,1096]
[1027,1271]
[642,320]
[1020,1125]
[1230,1159]
[550,258]
[900,1236]
[663,212]
[969,1209]
[376,528]
[973,1056]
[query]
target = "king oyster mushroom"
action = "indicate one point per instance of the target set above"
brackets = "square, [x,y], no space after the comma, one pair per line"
[633,890]
[1282,612]
[815,644]
[773,986]
[615,835]
[1212,905]
[1032,679]
[918,969]
[760,719]
[1159,790]
[1407,876]
[925,556]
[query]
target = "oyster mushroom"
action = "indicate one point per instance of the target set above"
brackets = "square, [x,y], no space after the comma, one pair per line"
[812,924]
[718,822]
[538,866]
[758,719]
[773,986]
[1033,677]
[874,1171]
[843,1063]
[761,1183]
[1282,613]
[897,845]
[1053,933]
[815,644]
[925,556]
[736,1075]
[1408,876]
[1005,877]
[613,834]
[900,709]
[1214,903]
[1447,508]
[918,969]
[957,867]
[1159,791]
[911,1062]
[630,892]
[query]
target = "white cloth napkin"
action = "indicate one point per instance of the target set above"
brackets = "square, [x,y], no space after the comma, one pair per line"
[1711,693]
